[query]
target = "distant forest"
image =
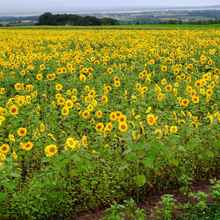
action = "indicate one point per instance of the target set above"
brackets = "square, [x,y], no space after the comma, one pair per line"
[174,16]
[76,20]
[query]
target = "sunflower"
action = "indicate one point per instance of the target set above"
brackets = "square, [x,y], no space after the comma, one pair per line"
[84,140]
[85,114]
[122,118]
[159,133]
[26,146]
[99,127]
[210,62]
[14,155]
[42,127]
[118,114]
[209,92]
[50,150]
[168,88]
[151,119]
[58,87]
[2,157]
[82,77]
[104,99]
[2,91]
[71,143]
[108,127]
[51,76]
[69,103]
[195,99]
[2,111]
[190,66]
[164,68]
[61,101]
[11,138]
[42,67]
[160,97]
[99,114]
[65,111]
[123,127]
[22,132]
[113,116]
[110,70]
[2,119]
[117,84]
[116,79]
[13,110]
[198,83]
[173,129]
[29,87]
[151,62]
[39,76]
[184,102]
[74,98]
[19,86]
[90,108]
[4,148]
[107,89]
[58,95]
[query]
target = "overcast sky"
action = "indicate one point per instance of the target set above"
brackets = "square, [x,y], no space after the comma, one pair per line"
[30,6]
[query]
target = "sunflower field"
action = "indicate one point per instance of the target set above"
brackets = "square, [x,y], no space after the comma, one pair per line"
[92,117]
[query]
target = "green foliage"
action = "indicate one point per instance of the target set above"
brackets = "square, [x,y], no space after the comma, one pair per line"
[71,183]
[114,165]
[199,208]
[167,206]
[140,180]
[79,181]
[9,183]
[128,210]
[70,19]
[215,190]
[201,201]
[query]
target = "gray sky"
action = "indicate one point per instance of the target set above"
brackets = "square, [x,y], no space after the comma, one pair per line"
[30,6]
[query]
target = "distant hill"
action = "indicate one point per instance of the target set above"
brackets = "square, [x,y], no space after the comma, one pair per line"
[13,20]
[134,15]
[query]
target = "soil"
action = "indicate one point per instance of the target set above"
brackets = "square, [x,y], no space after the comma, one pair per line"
[152,201]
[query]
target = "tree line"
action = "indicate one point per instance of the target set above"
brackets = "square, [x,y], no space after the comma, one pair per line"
[143,21]
[76,20]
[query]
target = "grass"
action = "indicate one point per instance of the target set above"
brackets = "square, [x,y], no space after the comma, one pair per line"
[128,27]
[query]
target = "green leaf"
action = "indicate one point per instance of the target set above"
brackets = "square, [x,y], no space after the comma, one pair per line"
[140,180]
[2,196]
[148,162]
[131,156]
[217,144]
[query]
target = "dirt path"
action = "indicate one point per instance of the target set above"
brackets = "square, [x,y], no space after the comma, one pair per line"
[151,201]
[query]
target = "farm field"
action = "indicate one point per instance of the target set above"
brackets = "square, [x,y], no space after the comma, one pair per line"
[126,27]
[90,118]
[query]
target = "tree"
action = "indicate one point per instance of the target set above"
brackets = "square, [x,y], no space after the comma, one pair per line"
[70,19]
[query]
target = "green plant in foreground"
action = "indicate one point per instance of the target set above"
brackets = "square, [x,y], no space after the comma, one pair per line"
[128,210]
[165,211]
[215,190]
